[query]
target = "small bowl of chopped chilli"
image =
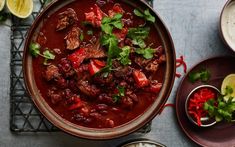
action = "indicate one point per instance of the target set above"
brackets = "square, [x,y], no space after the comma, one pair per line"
[195,105]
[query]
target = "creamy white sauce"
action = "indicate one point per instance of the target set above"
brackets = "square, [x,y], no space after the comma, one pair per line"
[228,24]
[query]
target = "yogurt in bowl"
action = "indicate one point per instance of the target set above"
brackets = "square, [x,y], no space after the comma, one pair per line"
[227,24]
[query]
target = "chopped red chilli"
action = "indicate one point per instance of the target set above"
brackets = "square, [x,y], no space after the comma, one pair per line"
[166,105]
[180,62]
[196,103]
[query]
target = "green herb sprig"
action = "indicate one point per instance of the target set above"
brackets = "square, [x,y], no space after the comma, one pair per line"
[203,75]
[221,109]
[34,49]
[121,92]
[108,23]
[146,15]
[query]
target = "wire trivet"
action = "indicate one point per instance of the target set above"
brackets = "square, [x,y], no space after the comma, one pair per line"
[24,116]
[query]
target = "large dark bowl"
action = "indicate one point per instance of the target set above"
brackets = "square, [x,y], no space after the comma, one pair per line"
[91,133]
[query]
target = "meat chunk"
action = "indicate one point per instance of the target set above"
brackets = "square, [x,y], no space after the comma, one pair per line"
[72,38]
[127,103]
[95,51]
[95,16]
[66,18]
[54,96]
[104,98]
[66,67]
[88,89]
[154,87]
[104,80]
[152,66]
[131,95]
[122,72]
[51,72]
[142,62]
[41,38]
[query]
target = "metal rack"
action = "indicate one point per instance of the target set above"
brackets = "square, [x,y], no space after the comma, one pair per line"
[24,116]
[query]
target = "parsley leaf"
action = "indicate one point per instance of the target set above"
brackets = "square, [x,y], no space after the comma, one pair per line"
[124,55]
[203,75]
[121,93]
[108,23]
[146,15]
[146,52]
[140,42]
[34,49]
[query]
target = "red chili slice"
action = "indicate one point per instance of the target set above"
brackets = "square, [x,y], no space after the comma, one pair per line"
[78,103]
[77,57]
[93,68]
[99,63]
[140,79]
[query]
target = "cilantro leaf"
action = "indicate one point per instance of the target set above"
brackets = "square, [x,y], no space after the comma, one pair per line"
[138,13]
[203,75]
[81,37]
[108,23]
[140,42]
[48,55]
[124,56]
[138,33]
[111,42]
[146,15]
[146,52]
[34,49]
[121,93]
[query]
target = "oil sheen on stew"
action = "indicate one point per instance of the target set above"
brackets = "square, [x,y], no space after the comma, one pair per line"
[109,63]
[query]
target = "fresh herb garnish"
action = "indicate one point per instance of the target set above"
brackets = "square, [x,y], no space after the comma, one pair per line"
[146,52]
[81,37]
[141,33]
[121,93]
[110,41]
[220,109]
[34,49]
[89,32]
[138,35]
[124,55]
[203,75]
[108,23]
[146,15]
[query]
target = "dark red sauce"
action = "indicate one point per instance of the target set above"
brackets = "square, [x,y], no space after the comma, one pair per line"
[97,108]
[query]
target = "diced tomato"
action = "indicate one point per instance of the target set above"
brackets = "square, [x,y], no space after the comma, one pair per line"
[93,68]
[120,34]
[99,63]
[77,104]
[116,9]
[95,16]
[140,79]
[77,57]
